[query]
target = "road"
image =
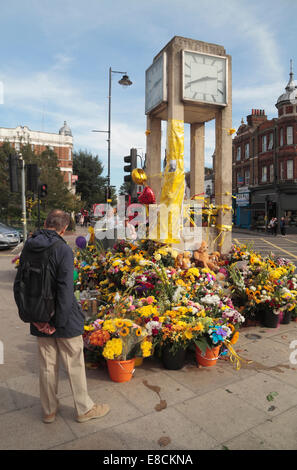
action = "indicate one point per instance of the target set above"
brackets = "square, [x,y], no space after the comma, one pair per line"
[284,246]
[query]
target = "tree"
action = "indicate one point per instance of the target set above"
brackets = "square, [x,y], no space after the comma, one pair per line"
[59,196]
[91,185]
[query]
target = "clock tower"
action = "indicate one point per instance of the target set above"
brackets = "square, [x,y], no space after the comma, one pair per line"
[190,81]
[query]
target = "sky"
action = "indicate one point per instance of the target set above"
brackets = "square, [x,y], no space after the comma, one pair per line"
[56,54]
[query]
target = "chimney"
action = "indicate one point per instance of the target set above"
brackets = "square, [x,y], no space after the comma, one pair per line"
[256,117]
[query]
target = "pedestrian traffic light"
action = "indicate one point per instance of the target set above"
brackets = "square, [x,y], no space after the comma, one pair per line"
[42,190]
[13,173]
[132,160]
[33,173]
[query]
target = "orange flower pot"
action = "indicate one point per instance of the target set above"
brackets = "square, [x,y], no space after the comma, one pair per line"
[209,358]
[120,371]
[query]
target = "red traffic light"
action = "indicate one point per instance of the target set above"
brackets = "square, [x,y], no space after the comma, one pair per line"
[43,190]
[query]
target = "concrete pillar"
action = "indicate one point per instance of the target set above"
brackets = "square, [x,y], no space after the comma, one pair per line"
[153,155]
[197,159]
[223,168]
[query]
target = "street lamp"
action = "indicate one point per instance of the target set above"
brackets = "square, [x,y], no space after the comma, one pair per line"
[124,81]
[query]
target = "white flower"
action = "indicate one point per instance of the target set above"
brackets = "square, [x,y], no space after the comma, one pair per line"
[117,297]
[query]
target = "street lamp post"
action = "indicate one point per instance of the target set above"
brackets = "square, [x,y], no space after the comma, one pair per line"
[124,81]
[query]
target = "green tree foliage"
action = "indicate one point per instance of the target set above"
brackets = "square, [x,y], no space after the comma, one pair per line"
[91,184]
[58,194]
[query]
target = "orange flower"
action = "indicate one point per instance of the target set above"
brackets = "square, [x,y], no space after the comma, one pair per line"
[124,331]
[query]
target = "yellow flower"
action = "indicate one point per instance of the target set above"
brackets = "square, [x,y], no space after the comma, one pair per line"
[138,332]
[113,348]
[124,331]
[128,323]
[146,348]
[109,326]
[235,338]
[89,328]
[119,323]
[188,334]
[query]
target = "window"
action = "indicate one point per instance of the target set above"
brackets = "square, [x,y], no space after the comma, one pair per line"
[289,135]
[17,146]
[290,169]
[239,178]
[264,174]
[247,150]
[247,177]
[270,143]
[281,137]
[32,147]
[238,153]
[271,172]
[281,171]
[70,154]
[264,143]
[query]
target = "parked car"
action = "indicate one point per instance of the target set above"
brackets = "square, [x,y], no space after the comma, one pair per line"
[9,237]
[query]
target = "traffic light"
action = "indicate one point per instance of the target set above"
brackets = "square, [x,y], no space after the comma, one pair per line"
[13,173]
[132,160]
[33,173]
[42,192]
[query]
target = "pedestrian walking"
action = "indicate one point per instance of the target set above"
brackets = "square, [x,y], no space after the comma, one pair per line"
[274,226]
[283,226]
[81,220]
[55,316]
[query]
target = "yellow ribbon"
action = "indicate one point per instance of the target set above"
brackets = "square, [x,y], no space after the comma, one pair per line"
[223,229]
[234,357]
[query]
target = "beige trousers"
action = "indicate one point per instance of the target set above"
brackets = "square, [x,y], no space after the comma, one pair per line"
[71,352]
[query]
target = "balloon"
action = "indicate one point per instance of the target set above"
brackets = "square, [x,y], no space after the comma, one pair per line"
[139,176]
[81,242]
[75,275]
[147,196]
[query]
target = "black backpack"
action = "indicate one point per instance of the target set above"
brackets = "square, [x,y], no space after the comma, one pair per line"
[34,292]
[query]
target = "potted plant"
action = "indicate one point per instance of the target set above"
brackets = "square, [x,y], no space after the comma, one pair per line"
[119,351]
[209,336]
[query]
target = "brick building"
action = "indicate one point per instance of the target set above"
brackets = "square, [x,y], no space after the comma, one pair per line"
[264,157]
[61,144]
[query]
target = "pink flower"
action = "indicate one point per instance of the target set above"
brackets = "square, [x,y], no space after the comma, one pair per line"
[150,300]
[132,307]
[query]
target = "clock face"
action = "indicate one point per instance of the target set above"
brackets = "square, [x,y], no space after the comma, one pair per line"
[155,83]
[204,78]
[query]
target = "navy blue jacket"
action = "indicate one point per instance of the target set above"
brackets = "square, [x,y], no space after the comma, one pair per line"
[69,318]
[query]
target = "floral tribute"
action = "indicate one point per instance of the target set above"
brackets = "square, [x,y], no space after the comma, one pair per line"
[148,300]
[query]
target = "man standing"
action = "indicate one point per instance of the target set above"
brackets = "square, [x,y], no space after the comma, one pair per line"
[61,337]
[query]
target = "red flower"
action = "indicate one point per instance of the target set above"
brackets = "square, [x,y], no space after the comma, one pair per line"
[155,331]
[156,318]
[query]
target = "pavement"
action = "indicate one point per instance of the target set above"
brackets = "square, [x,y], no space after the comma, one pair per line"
[194,408]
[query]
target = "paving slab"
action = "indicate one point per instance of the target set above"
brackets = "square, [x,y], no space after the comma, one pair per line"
[260,391]
[280,432]
[246,441]
[221,414]
[24,430]
[169,427]
[107,439]
[6,399]
[154,392]
[122,410]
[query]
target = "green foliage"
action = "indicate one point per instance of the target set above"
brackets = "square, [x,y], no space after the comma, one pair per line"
[91,184]
[59,197]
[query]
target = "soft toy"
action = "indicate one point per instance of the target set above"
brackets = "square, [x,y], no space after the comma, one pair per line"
[183,260]
[202,258]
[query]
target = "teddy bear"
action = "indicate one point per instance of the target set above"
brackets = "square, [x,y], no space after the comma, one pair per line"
[183,260]
[202,258]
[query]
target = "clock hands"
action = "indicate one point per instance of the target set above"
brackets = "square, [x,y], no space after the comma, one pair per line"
[202,79]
